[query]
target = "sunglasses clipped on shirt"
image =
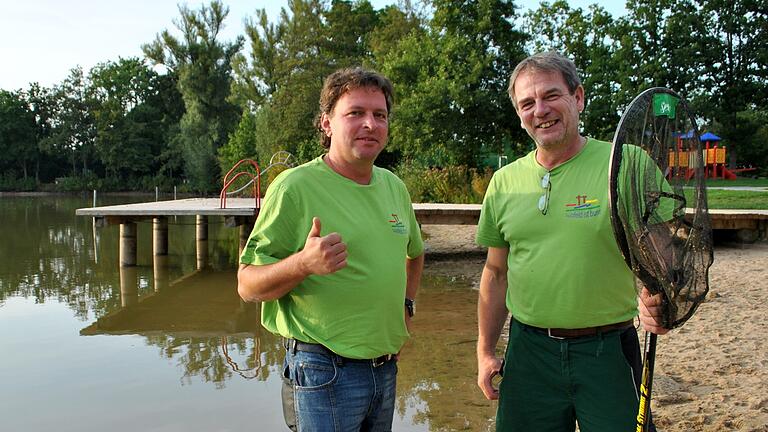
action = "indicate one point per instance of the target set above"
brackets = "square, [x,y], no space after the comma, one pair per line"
[544,198]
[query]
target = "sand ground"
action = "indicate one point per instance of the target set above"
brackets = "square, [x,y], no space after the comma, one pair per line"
[712,373]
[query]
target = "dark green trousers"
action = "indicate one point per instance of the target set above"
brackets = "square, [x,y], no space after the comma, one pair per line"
[550,384]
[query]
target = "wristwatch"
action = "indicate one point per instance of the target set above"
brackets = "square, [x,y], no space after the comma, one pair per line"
[410,306]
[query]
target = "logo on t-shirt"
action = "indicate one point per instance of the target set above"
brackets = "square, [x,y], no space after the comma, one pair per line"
[584,207]
[397,226]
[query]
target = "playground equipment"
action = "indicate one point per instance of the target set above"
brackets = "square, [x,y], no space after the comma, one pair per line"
[713,158]
[281,158]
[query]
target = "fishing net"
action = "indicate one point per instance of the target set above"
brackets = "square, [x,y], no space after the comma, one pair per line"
[658,201]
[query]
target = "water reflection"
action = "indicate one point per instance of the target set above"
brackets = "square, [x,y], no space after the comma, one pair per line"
[49,253]
[160,272]
[194,320]
[437,370]
[200,322]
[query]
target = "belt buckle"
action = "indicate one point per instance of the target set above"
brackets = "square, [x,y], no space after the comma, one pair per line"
[378,361]
[549,333]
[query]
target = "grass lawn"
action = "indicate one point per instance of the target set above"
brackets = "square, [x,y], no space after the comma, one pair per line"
[741,181]
[737,199]
[731,199]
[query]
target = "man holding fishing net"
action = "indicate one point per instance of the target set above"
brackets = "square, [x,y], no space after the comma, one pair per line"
[573,353]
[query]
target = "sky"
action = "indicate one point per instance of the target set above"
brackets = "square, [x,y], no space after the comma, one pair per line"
[41,40]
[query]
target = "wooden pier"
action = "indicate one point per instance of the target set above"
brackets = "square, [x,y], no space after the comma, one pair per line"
[242,212]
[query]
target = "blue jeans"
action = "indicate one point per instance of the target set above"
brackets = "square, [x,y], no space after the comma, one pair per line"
[326,393]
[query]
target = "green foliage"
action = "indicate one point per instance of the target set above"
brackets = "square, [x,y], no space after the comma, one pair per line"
[734,63]
[394,24]
[454,184]
[9,182]
[18,144]
[751,130]
[586,39]
[42,104]
[289,60]
[241,145]
[452,83]
[113,123]
[204,66]
[128,126]
[73,132]
[92,182]
[713,52]
[347,32]
[87,182]
[124,125]
[286,122]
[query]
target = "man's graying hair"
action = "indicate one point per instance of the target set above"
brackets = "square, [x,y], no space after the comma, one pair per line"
[550,61]
[343,81]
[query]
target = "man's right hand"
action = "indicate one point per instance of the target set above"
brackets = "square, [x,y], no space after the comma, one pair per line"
[323,255]
[487,368]
[651,312]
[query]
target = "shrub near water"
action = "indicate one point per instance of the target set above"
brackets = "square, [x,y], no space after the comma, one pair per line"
[9,182]
[455,184]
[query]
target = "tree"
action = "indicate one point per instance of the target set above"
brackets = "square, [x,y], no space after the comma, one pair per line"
[169,106]
[347,32]
[255,81]
[736,65]
[204,66]
[125,143]
[452,83]
[752,130]
[281,81]
[242,144]
[73,128]
[18,144]
[587,39]
[42,104]
[393,25]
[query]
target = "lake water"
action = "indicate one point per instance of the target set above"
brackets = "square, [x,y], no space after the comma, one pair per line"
[87,346]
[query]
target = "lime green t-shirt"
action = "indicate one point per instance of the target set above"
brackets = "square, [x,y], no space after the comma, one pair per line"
[565,269]
[357,311]
[646,193]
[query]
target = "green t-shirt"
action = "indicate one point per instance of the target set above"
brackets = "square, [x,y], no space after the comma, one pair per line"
[565,269]
[647,191]
[357,311]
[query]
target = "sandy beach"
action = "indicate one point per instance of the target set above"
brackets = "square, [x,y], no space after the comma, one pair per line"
[711,373]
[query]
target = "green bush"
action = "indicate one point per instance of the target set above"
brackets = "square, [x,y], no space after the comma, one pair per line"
[112,184]
[78,183]
[455,184]
[9,183]
[149,183]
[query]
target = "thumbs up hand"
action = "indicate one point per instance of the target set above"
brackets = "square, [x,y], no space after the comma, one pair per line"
[323,255]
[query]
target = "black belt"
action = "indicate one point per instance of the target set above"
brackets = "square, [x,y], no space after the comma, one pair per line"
[297,345]
[559,333]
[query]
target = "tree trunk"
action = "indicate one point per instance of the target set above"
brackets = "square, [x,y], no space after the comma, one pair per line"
[732,157]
